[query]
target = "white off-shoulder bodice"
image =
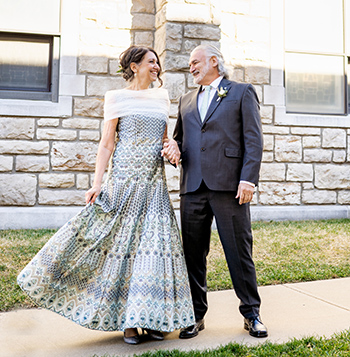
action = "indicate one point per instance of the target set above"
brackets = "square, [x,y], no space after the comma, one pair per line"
[124,102]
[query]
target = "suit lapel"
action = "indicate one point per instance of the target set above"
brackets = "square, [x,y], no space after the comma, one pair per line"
[216,99]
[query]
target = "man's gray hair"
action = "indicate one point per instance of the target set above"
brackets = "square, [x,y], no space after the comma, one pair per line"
[211,51]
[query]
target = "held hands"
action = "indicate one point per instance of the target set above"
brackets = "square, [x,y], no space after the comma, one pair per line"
[91,195]
[245,193]
[171,151]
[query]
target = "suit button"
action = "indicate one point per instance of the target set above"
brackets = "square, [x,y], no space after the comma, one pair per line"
[203,130]
[203,149]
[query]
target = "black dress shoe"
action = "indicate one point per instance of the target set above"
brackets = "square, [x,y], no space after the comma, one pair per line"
[255,327]
[132,340]
[192,331]
[153,334]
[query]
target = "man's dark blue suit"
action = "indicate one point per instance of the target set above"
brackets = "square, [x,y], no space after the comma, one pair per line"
[217,154]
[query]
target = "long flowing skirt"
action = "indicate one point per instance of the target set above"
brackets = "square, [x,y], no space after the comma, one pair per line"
[118,263]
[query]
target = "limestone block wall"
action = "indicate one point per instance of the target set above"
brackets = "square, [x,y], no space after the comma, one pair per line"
[180,26]
[305,166]
[50,160]
[301,165]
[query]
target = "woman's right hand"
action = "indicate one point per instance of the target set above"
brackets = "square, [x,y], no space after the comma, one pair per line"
[91,195]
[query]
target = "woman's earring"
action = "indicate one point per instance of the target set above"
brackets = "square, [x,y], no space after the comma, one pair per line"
[135,73]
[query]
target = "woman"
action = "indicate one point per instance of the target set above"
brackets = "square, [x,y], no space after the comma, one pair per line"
[119,264]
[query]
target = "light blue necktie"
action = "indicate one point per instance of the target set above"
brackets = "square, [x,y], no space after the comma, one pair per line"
[205,102]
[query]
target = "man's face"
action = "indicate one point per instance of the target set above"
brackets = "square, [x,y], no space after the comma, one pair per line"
[199,67]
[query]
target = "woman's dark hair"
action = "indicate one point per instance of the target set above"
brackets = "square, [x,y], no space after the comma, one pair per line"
[135,54]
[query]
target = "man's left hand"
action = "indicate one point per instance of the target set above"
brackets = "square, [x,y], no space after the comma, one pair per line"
[245,193]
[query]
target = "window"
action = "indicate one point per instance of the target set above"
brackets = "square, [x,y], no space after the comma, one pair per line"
[315,57]
[29,49]
[28,67]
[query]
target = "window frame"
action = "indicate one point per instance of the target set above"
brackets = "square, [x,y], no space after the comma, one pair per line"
[274,93]
[31,94]
[300,49]
[345,103]
[71,83]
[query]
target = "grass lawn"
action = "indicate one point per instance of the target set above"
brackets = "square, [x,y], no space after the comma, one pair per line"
[337,346]
[287,252]
[284,252]
[17,247]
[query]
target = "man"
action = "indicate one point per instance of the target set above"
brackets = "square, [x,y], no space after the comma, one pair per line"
[218,132]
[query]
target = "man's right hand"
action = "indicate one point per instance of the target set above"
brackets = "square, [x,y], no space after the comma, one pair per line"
[245,193]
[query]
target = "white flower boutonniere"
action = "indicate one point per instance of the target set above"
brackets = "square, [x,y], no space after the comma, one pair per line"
[222,92]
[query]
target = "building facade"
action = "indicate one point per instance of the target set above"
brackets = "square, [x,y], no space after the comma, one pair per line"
[57,64]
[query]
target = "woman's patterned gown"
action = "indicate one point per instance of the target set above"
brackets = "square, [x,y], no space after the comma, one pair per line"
[119,263]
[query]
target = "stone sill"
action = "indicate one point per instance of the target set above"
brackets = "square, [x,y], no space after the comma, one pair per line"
[55,217]
[310,120]
[37,108]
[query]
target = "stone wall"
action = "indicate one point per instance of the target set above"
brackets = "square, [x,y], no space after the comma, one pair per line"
[301,165]
[180,27]
[305,166]
[50,160]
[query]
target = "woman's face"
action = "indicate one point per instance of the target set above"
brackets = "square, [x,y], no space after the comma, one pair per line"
[149,68]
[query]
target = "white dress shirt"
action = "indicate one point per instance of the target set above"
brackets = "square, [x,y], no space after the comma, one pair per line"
[214,85]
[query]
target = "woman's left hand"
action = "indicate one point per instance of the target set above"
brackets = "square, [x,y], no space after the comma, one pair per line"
[171,151]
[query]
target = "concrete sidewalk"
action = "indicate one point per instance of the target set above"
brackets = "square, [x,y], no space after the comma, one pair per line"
[319,308]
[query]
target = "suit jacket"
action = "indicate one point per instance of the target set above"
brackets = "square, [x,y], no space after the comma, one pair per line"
[227,146]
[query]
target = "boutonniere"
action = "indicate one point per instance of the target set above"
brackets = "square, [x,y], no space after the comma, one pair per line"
[222,93]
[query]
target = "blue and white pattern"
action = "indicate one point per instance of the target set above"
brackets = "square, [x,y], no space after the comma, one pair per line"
[119,263]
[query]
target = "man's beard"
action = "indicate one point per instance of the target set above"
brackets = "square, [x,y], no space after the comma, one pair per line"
[202,73]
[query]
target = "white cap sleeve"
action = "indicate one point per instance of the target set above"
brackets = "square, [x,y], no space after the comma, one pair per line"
[111,106]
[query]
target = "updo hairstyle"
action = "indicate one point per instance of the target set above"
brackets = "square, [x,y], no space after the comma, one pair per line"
[136,54]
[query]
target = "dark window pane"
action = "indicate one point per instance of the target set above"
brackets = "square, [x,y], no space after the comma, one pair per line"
[25,62]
